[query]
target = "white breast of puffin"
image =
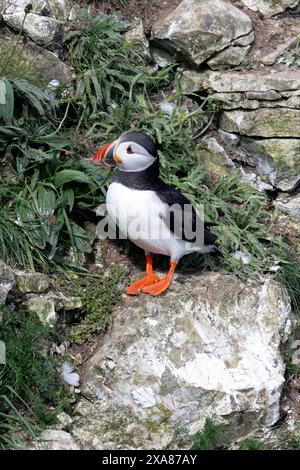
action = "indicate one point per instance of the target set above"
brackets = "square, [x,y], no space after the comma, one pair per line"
[138,215]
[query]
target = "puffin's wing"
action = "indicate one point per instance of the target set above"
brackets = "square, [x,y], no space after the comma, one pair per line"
[184,217]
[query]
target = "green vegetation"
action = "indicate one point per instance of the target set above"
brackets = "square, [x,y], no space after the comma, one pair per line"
[251,444]
[98,294]
[16,63]
[47,197]
[212,437]
[215,436]
[49,181]
[289,276]
[31,391]
[52,191]
[290,441]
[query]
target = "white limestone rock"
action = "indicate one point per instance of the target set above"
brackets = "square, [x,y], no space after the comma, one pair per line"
[43,23]
[239,82]
[54,439]
[289,205]
[211,346]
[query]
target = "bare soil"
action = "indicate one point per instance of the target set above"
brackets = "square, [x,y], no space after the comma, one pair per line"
[148,10]
[269,34]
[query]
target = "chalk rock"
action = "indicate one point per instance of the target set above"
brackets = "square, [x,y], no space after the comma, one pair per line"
[210,346]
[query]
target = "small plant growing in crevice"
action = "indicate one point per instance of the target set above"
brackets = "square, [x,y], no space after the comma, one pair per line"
[98,294]
[212,437]
[216,436]
[289,276]
[251,444]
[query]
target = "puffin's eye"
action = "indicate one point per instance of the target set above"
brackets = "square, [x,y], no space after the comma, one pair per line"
[129,149]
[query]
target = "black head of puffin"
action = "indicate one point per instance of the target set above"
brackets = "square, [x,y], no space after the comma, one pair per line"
[129,143]
[140,138]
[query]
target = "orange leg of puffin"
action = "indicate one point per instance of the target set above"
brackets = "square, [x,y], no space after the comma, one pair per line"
[149,279]
[162,285]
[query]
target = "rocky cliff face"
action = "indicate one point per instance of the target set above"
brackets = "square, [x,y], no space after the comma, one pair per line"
[237,52]
[251,64]
[270,7]
[260,122]
[260,98]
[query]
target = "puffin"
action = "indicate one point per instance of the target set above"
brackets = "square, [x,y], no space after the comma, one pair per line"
[154,215]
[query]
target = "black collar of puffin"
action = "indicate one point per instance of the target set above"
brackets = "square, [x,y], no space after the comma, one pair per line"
[147,179]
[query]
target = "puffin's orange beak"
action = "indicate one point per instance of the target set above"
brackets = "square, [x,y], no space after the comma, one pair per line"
[99,157]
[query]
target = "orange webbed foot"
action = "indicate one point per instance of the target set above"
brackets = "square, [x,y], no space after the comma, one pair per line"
[157,288]
[136,287]
[163,284]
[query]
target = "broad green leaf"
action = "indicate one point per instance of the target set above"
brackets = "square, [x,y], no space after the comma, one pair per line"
[38,236]
[37,154]
[81,240]
[46,201]
[69,197]
[55,141]
[66,176]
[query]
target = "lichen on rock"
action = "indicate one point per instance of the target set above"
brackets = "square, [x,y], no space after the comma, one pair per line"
[31,282]
[44,20]
[214,158]
[263,122]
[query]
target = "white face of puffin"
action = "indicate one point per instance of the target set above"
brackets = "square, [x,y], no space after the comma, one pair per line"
[131,156]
